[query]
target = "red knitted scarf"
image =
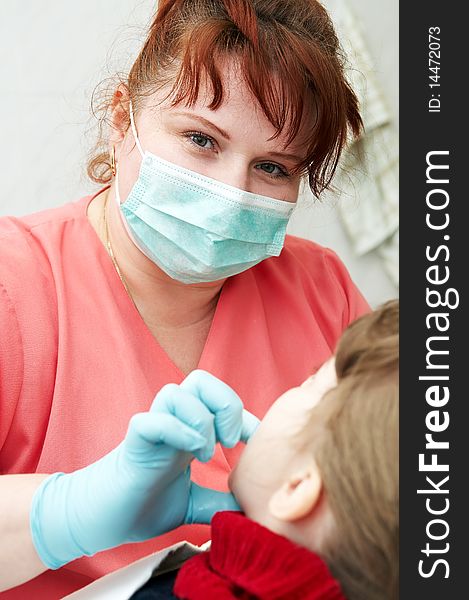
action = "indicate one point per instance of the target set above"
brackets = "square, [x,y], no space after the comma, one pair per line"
[248,561]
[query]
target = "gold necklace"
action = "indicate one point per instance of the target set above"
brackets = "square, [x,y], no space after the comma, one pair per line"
[111,253]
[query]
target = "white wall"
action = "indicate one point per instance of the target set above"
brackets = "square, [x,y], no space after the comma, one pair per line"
[379,24]
[54,52]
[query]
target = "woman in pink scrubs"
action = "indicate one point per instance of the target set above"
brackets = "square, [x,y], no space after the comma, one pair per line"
[178,262]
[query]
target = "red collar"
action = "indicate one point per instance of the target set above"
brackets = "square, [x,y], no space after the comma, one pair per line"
[247,561]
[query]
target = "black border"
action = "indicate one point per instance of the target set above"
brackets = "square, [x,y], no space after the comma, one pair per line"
[422,131]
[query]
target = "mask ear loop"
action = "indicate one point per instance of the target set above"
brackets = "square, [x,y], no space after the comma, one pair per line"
[134,130]
[139,146]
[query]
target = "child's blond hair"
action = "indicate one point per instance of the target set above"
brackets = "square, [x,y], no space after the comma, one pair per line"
[357,453]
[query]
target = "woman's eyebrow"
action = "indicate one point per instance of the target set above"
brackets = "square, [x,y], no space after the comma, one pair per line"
[293,157]
[202,120]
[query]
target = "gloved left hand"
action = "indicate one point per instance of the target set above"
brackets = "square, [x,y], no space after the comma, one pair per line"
[142,488]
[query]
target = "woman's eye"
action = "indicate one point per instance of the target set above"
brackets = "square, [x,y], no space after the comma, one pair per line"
[272,170]
[201,140]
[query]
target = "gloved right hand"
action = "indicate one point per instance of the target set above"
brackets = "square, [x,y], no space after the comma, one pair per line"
[142,488]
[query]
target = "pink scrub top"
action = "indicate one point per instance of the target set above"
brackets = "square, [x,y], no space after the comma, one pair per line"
[77,360]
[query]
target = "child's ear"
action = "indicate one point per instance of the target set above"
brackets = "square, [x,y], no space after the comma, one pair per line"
[298,496]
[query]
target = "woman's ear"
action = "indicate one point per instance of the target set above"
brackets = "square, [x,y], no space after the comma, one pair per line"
[119,115]
[298,496]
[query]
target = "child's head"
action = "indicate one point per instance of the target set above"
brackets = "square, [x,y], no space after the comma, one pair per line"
[322,469]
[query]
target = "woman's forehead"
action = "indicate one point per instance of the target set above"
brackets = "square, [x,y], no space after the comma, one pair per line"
[239,112]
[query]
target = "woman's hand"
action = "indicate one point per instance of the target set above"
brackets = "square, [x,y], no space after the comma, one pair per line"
[142,488]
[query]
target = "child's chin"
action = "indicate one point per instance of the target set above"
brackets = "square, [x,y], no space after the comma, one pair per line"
[232,481]
[235,487]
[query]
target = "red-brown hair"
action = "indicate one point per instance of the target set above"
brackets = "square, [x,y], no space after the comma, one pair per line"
[289,55]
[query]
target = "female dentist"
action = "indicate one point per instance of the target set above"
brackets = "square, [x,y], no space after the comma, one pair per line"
[179,263]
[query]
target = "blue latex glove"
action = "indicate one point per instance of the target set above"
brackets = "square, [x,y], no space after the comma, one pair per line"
[142,488]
